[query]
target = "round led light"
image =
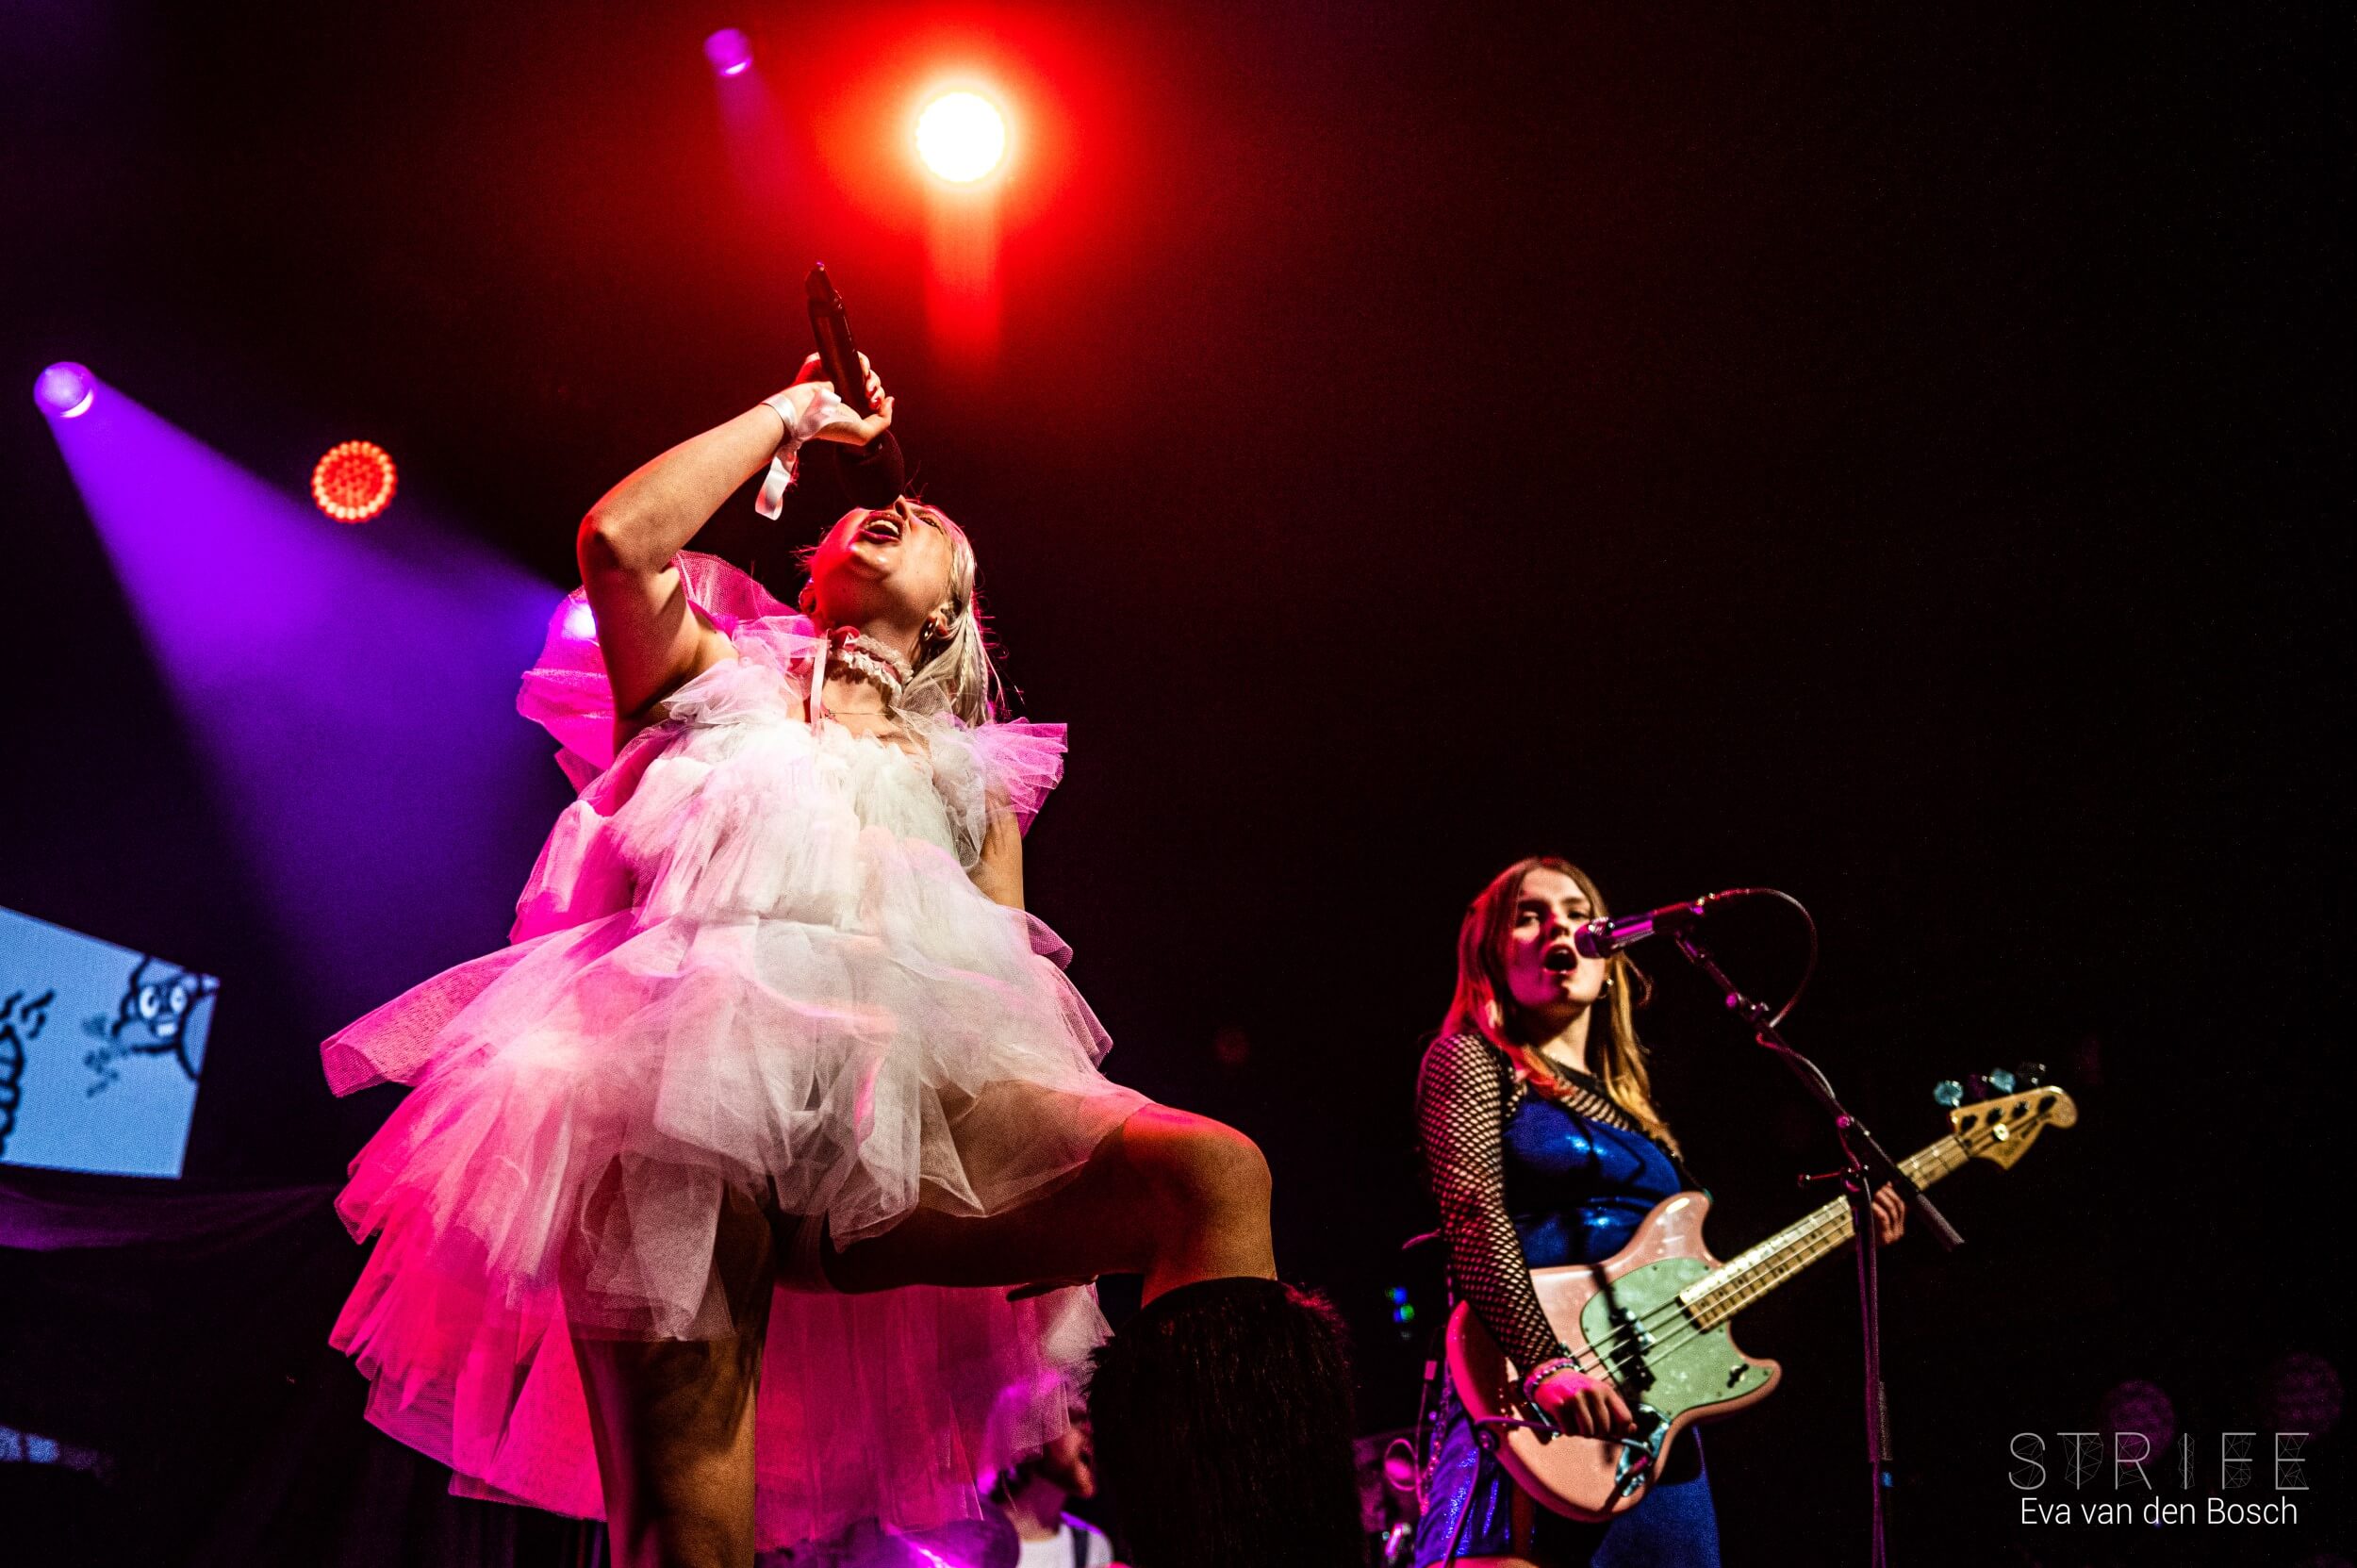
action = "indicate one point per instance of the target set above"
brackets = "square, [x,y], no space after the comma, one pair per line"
[961,136]
[730,51]
[354,482]
[65,389]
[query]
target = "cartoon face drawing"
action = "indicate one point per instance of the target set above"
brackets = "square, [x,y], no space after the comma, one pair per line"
[161,1006]
[152,1019]
[100,1048]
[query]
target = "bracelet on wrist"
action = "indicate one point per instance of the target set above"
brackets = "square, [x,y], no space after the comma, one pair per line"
[1548,1368]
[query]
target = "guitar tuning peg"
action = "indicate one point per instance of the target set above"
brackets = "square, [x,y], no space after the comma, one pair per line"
[2001,1080]
[1948,1094]
[2033,1074]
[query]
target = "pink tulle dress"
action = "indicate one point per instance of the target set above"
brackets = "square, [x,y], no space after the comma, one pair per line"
[751,956]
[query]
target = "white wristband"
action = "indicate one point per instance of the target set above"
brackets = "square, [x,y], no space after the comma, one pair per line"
[823,410]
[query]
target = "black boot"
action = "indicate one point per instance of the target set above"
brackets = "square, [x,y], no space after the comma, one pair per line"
[1223,1428]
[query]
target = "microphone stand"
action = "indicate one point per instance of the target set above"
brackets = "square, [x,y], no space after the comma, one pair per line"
[1864,1166]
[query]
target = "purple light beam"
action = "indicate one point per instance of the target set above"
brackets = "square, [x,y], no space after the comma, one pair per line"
[352,695]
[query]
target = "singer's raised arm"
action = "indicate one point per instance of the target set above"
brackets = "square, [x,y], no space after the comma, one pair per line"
[650,638]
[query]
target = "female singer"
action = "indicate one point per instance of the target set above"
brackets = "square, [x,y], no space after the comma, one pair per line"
[703,1210]
[1544,1148]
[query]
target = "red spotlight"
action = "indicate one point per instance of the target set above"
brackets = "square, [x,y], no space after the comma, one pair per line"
[354,482]
[962,137]
[924,113]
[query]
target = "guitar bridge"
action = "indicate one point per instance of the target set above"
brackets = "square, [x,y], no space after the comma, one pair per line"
[1639,1451]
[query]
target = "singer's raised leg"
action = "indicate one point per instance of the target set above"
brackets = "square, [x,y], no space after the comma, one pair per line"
[1222,1360]
[1174,1197]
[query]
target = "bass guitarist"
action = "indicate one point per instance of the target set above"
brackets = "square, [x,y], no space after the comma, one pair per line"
[1544,1148]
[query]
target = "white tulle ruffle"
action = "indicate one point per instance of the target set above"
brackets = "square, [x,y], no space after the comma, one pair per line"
[749,958]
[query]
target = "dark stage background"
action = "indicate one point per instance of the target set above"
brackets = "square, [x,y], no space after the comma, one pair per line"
[1897,456]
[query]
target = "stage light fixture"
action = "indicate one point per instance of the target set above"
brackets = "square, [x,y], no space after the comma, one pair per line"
[961,136]
[65,389]
[730,51]
[580,622]
[354,482]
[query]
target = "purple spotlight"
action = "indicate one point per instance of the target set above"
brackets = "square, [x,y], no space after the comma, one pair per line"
[65,389]
[730,51]
[579,622]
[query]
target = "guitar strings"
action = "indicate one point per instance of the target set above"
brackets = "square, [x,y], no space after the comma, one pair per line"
[1780,1256]
[1787,1253]
[1810,1239]
[1601,1358]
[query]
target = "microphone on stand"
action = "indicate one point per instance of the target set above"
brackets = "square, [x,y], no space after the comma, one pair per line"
[873,475]
[1602,938]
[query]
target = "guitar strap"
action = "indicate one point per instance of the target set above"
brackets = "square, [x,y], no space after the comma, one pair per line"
[1686,1178]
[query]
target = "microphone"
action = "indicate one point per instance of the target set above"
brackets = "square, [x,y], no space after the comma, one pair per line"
[1602,938]
[873,475]
[837,355]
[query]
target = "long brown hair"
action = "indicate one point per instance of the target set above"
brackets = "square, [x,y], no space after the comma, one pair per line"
[1483,1005]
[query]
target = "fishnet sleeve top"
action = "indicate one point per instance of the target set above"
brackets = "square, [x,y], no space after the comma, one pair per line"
[1464,1091]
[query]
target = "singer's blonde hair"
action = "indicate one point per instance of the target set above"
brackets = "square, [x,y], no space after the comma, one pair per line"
[1483,1003]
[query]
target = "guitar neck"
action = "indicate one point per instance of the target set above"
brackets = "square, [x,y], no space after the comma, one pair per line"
[1753,1273]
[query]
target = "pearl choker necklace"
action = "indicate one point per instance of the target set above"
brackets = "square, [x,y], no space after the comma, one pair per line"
[887,667]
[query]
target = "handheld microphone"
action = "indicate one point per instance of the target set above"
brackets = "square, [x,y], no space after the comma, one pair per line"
[873,475]
[1602,938]
[837,355]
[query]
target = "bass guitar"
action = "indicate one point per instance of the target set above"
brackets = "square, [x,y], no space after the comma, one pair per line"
[1652,1320]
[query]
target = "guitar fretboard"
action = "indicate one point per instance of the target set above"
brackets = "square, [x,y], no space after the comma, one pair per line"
[1753,1272]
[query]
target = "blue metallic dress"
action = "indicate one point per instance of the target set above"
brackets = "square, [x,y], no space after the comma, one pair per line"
[1526,1181]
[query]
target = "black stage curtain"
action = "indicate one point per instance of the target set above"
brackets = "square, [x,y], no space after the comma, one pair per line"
[173,1345]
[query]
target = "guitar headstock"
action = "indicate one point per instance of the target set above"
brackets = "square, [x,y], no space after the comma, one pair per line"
[2002,1126]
